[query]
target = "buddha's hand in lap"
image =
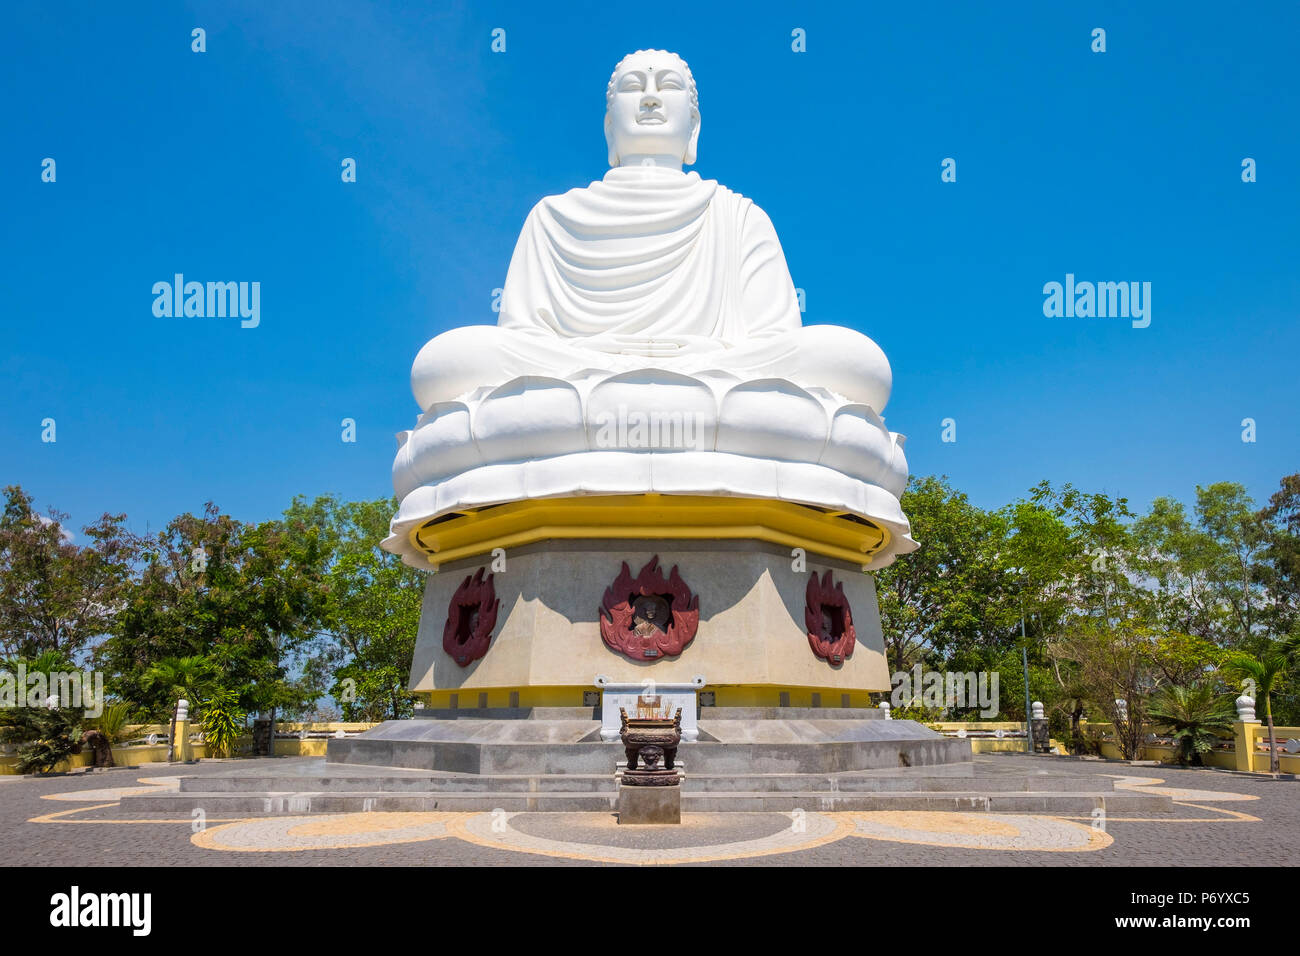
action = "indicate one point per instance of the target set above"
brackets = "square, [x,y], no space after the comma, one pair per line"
[660,346]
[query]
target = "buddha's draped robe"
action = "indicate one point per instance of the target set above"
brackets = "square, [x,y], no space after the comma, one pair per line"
[650,268]
[650,254]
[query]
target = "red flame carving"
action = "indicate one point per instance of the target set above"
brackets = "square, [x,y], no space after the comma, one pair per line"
[471,616]
[618,629]
[829,620]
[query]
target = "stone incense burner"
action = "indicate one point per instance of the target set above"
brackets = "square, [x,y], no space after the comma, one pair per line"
[651,742]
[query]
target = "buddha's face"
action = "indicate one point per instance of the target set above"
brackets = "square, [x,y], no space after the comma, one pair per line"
[649,116]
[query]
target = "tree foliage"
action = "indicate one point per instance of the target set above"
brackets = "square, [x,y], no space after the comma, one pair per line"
[1195,716]
[55,594]
[1113,605]
[372,611]
[243,597]
[44,735]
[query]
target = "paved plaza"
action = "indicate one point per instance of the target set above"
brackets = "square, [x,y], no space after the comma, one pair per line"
[1219,819]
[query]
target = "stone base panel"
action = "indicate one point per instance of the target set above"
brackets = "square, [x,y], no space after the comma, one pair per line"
[751,645]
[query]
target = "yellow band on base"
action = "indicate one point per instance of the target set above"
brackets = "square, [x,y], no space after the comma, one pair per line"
[685,517]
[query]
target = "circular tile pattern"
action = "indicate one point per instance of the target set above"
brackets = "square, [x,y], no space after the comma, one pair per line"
[109,794]
[980,831]
[1198,796]
[1185,794]
[696,829]
[797,832]
[324,832]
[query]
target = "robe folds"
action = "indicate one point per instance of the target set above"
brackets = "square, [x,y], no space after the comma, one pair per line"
[650,254]
[650,268]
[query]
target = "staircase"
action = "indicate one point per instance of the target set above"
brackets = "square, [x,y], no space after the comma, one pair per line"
[312,786]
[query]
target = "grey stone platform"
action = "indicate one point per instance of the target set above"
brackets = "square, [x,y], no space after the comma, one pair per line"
[732,740]
[552,759]
[311,785]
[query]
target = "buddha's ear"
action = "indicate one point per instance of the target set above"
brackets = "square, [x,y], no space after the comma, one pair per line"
[689,158]
[609,139]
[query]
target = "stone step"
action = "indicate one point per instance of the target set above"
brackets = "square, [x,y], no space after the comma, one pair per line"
[604,783]
[549,747]
[1119,800]
[304,802]
[866,783]
[827,802]
[447,783]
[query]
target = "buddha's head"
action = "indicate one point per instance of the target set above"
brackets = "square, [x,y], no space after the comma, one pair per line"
[652,111]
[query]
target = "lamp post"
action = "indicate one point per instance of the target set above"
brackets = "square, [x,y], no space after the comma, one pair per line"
[1024,661]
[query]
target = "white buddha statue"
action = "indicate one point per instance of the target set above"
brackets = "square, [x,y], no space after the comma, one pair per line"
[651,267]
[649,344]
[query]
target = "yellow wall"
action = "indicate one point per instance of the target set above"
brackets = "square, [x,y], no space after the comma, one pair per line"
[144,753]
[1245,755]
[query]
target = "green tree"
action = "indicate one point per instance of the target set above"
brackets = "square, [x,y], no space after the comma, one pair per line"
[373,607]
[1195,716]
[1279,575]
[1280,528]
[1205,576]
[113,721]
[244,597]
[1066,557]
[56,595]
[1184,659]
[950,593]
[1074,547]
[223,722]
[179,677]
[1113,664]
[45,735]
[1266,671]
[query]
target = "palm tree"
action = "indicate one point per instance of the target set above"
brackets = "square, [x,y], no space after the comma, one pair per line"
[1193,715]
[1265,671]
[1290,647]
[179,677]
[115,717]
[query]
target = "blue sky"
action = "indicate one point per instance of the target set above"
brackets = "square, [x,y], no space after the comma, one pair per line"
[225,165]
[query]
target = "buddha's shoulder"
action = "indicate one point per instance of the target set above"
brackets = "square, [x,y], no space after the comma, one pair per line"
[620,186]
[739,202]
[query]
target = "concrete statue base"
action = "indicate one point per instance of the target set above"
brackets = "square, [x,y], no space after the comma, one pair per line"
[643,805]
[747,759]
[732,740]
[739,620]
